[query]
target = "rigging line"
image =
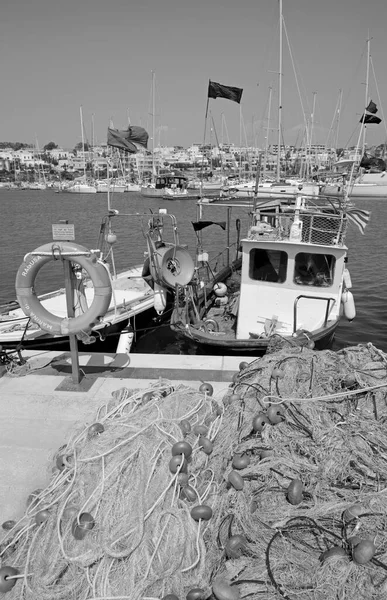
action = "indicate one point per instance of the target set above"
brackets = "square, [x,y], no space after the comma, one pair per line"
[356,71]
[378,94]
[295,75]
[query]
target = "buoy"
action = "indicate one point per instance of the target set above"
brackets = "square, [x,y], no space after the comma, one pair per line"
[349,305]
[220,289]
[125,340]
[347,279]
[159,298]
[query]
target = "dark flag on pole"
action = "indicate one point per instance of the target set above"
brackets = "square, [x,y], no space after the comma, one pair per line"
[372,108]
[217,90]
[370,119]
[131,140]
[369,115]
[199,225]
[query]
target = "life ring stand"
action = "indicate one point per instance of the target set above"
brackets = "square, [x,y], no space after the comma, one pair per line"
[30,303]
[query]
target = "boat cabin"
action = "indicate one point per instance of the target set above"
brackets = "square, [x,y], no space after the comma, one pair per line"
[292,273]
[178,182]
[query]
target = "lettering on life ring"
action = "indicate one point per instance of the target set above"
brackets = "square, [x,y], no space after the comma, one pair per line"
[30,303]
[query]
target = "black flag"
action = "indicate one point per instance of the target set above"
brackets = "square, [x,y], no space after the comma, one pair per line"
[372,108]
[199,225]
[217,90]
[370,118]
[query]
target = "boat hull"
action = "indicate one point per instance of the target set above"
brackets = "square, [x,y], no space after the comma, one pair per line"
[215,341]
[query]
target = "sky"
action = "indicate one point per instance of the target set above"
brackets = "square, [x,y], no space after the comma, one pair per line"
[57,56]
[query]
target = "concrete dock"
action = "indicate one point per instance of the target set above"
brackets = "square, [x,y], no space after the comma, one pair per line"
[40,406]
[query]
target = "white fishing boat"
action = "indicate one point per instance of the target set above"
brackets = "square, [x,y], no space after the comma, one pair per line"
[363,185]
[80,187]
[288,279]
[103,186]
[133,187]
[165,185]
[267,190]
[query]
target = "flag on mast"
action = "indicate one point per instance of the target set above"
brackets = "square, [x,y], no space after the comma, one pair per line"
[369,114]
[217,90]
[358,217]
[131,140]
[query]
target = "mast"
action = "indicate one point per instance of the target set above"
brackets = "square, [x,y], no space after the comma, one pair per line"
[308,165]
[362,128]
[279,95]
[153,125]
[83,143]
[267,134]
[366,101]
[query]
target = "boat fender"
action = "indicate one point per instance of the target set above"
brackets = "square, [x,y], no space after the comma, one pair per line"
[349,305]
[220,289]
[30,303]
[347,279]
[125,340]
[160,298]
[221,301]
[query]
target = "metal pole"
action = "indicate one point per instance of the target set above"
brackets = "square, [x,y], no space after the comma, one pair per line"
[228,235]
[69,286]
[279,95]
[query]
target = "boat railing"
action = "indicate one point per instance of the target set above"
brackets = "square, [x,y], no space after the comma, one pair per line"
[207,269]
[327,229]
[304,296]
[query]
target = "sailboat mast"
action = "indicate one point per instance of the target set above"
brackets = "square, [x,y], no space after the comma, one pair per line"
[153,125]
[338,113]
[366,94]
[279,95]
[267,134]
[309,157]
[83,143]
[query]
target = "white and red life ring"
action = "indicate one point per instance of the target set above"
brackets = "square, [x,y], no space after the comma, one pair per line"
[30,303]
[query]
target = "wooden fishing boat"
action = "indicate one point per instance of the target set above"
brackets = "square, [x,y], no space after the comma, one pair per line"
[136,300]
[288,279]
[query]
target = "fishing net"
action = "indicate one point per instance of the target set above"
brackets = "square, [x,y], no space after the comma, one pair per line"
[283,496]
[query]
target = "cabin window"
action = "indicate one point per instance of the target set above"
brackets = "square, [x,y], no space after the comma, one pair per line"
[314,269]
[268,265]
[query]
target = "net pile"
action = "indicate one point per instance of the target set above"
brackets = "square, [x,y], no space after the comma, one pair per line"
[285,493]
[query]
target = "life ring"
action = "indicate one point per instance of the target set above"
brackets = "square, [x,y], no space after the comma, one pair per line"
[30,303]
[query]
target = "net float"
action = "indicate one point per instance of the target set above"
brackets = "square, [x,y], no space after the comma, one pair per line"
[6,578]
[178,463]
[236,480]
[206,445]
[240,461]
[201,511]
[206,388]
[182,448]
[276,414]
[295,491]
[259,422]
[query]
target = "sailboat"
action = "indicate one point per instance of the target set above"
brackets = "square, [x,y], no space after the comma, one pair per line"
[362,176]
[166,185]
[81,186]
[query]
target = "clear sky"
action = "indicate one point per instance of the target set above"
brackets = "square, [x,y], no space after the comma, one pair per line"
[58,55]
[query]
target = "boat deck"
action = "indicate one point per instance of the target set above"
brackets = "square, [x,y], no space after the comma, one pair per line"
[40,406]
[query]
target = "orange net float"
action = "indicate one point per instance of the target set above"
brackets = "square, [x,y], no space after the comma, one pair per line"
[30,303]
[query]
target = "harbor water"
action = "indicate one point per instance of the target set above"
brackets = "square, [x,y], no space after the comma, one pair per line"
[26,223]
